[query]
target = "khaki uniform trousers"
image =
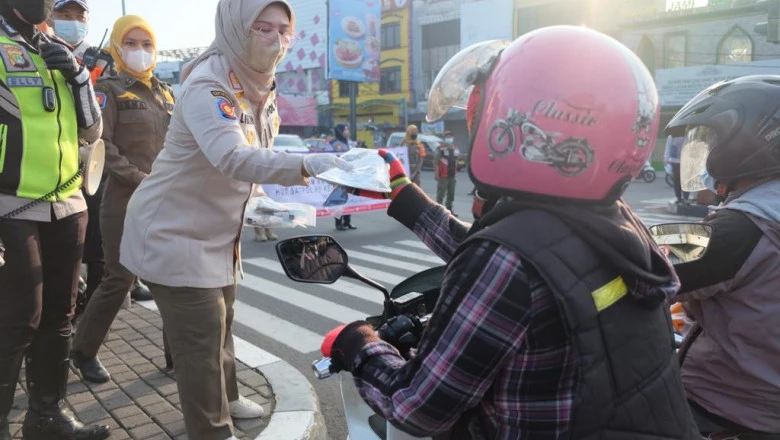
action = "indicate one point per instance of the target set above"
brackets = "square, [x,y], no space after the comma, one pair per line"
[197,326]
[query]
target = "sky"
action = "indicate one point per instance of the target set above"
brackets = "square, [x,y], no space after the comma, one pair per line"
[177,23]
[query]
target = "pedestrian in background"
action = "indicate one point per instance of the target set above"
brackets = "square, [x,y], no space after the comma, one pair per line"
[42,218]
[340,144]
[415,151]
[136,110]
[672,157]
[182,233]
[445,169]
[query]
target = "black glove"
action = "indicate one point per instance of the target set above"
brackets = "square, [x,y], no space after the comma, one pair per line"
[58,57]
[401,332]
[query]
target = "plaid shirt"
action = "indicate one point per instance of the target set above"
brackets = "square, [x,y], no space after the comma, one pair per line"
[495,361]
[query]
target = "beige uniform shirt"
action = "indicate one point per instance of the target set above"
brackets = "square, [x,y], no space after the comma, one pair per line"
[184,221]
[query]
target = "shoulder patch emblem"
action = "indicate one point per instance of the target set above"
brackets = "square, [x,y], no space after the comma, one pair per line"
[16,58]
[101,99]
[225,109]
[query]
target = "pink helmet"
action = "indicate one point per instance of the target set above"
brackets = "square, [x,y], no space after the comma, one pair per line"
[562,112]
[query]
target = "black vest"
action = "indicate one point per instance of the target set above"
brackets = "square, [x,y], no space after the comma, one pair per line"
[627,385]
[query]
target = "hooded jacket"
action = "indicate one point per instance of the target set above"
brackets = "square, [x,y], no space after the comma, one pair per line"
[732,368]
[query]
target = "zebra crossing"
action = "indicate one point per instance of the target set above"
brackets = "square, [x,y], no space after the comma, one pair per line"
[310,310]
[332,304]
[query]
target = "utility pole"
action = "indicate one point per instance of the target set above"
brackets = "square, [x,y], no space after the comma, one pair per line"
[123,7]
[353,91]
[771,27]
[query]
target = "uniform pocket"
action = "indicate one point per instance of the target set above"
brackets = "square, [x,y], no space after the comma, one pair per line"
[3,135]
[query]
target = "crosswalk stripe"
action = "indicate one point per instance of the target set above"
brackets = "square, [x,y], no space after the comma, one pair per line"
[396,263]
[378,275]
[342,286]
[316,305]
[246,352]
[428,258]
[414,244]
[285,332]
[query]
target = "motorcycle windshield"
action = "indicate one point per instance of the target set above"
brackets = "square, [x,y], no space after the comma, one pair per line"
[457,77]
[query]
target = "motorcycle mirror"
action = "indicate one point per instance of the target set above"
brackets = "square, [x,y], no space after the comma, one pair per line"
[320,259]
[682,242]
[312,259]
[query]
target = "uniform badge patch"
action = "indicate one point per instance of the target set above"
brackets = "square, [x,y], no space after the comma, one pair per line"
[225,109]
[16,58]
[101,99]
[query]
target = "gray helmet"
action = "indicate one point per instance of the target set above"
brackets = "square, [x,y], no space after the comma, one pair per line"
[739,120]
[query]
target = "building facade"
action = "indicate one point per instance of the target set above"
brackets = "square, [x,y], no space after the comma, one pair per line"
[689,45]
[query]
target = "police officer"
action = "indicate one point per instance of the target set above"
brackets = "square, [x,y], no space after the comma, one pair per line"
[445,168]
[46,105]
[415,151]
[136,109]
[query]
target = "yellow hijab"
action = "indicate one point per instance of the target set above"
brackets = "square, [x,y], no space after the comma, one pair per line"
[122,26]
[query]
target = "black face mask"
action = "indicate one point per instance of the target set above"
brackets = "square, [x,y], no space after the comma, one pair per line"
[413,136]
[33,11]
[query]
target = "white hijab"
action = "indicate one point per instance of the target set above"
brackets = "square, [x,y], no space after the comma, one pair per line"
[233,26]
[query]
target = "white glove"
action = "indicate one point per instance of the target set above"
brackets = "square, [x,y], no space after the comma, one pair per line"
[318,163]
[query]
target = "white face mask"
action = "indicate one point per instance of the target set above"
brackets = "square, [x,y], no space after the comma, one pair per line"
[73,32]
[138,60]
[448,140]
[261,56]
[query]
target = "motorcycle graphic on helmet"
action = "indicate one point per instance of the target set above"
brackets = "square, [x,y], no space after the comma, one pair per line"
[569,158]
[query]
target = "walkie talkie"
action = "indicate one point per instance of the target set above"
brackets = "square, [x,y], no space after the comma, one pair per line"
[93,54]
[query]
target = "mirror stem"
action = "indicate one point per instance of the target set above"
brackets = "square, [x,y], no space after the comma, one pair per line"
[352,273]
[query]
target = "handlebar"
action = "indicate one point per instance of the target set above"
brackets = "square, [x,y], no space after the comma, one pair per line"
[321,367]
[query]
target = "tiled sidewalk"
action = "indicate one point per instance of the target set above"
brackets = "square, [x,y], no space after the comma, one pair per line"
[141,401]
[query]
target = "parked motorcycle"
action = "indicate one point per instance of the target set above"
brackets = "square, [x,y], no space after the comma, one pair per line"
[669,175]
[648,173]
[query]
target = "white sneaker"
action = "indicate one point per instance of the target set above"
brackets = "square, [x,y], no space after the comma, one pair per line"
[244,408]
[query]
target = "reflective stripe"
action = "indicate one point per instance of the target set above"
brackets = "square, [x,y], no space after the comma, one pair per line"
[609,293]
[3,132]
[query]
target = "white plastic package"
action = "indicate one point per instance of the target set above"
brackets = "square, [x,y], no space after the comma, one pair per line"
[266,213]
[370,172]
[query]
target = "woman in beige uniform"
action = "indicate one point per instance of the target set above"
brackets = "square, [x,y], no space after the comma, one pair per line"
[136,110]
[183,226]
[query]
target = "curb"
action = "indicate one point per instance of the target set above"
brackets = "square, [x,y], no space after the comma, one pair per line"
[296,415]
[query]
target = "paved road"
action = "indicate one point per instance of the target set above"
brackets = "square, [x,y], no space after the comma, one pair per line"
[288,319]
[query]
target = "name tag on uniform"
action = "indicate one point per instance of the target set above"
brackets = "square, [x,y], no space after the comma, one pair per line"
[131,105]
[24,81]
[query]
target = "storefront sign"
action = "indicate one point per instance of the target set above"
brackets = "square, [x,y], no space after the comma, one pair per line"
[677,86]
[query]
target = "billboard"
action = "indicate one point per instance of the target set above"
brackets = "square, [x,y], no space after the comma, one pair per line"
[354,32]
